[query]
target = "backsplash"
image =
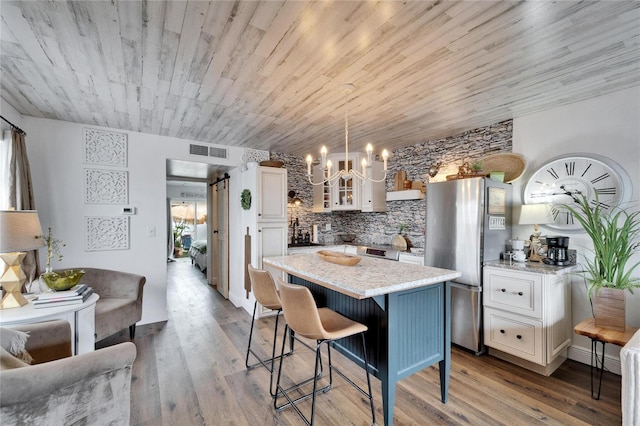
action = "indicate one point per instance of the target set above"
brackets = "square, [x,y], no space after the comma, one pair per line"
[379,228]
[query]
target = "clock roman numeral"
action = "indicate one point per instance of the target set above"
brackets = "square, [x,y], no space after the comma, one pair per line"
[601,177]
[538,194]
[553,173]
[586,170]
[606,191]
[569,218]
[600,204]
[570,168]
[555,213]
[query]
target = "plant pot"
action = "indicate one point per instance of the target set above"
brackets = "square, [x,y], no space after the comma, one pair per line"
[609,308]
[398,242]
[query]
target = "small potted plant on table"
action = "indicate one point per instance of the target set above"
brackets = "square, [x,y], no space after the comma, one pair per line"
[62,280]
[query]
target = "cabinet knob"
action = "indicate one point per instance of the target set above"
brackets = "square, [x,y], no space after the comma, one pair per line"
[502,331]
[259,214]
[519,337]
[503,290]
[520,293]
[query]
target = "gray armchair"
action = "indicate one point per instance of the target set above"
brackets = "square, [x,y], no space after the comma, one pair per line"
[92,388]
[120,303]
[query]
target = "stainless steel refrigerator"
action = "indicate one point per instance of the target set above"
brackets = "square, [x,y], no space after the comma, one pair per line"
[468,222]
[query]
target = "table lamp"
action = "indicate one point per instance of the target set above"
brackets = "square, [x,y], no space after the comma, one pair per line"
[535,214]
[20,231]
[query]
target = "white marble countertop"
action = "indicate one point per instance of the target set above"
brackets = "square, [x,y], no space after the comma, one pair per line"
[536,267]
[371,277]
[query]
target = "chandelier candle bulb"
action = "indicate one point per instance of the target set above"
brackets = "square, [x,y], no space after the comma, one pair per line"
[364,167]
[369,152]
[385,156]
[309,161]
[323,153]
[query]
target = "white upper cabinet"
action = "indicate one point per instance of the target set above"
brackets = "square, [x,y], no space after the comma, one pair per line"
[374,197]
[349,194]
[271,197]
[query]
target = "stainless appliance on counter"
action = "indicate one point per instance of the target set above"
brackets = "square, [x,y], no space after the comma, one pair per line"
[468,222]
[379,251]
[558,251]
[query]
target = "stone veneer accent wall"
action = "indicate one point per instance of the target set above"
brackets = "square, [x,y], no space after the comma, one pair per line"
[379,228]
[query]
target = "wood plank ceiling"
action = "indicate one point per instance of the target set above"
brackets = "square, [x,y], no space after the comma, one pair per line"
[267,74]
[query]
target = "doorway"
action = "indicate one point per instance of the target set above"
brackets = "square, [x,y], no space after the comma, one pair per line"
[212,182]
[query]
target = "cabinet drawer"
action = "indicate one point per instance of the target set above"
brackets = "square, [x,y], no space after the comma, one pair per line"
[521,337]
[520,293]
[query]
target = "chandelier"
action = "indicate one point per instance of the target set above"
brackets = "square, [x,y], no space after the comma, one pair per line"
[347,173]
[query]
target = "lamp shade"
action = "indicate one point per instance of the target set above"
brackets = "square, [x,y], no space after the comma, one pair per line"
[535,214]
[20,230]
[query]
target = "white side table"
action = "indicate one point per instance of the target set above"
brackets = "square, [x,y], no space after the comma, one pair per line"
[81,318]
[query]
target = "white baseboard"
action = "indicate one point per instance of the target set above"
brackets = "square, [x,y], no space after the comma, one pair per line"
[583,355]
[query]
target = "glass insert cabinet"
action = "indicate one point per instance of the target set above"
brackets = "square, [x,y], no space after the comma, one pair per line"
[348,194]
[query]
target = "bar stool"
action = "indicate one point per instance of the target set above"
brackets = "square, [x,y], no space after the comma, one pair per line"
[266,294]
[324,326]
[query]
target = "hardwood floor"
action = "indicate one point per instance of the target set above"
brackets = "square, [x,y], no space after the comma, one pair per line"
[190,371]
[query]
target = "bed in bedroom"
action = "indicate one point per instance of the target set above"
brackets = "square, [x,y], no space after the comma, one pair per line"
[198,254]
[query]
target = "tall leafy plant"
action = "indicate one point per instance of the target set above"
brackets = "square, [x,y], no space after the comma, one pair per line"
[615,241]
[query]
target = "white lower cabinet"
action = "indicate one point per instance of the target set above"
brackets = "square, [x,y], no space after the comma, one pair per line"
[272,241]
[411,258]
[527,316]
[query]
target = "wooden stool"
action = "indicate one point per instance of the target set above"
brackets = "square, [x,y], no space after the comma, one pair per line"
[604,335]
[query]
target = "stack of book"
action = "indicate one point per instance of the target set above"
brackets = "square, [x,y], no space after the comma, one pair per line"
[75,295]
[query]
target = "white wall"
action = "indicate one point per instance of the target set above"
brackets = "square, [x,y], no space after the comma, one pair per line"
[608,125]
[10,114]
[55,150]
[191,192]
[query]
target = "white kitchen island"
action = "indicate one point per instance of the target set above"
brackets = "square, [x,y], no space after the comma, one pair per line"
[405,307]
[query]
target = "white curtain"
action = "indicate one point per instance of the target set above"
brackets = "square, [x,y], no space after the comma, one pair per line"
[16,189]
[5,149]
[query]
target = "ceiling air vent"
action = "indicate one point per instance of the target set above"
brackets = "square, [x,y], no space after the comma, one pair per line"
[199,150]
[207,151]
[217,152]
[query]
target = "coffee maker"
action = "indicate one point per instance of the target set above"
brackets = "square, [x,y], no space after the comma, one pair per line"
[557,251]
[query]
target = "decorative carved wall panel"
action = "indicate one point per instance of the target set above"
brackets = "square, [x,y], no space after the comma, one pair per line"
[107,233]
[106,186]
[105,148]
[256,155]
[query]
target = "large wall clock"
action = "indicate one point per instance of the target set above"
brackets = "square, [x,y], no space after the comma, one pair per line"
[560,179]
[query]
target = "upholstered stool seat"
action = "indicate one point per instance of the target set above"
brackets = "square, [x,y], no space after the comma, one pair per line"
[324,326]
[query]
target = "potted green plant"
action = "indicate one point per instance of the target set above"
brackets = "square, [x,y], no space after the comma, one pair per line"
[476,167]
[53,249]
[178,230]
[614,234]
